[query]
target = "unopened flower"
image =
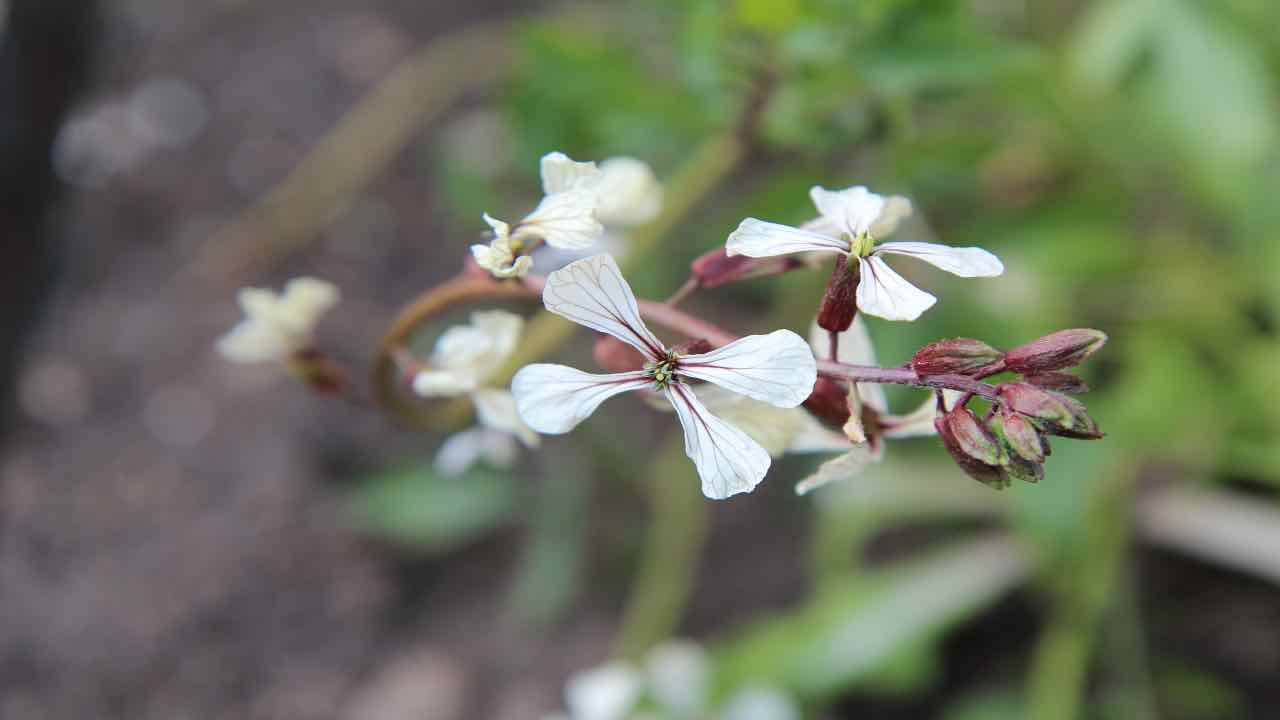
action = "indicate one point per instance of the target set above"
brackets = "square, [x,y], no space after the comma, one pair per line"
[1055,351]
[277,326]
[464,361]
[851,223]
[777,368]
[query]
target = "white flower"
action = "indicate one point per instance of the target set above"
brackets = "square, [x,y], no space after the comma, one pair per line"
[498,257]
[579,200]
[777,368]
[276,326]
[851,222]
[463,362]
[604,693]
[676,683]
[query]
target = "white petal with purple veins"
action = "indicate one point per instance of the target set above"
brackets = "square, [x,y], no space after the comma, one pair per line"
[757,238]
[962,261]
[592,292]
[777,368]
[553,399]
[886,294]
[728,461]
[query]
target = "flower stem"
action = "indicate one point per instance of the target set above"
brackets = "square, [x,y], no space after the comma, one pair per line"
[677,532]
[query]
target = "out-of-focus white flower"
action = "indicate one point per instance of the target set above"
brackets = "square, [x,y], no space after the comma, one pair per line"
[609,692]
[628,192]
[777,368]
[278,325]
[851,223]
[463,362]
[675,685]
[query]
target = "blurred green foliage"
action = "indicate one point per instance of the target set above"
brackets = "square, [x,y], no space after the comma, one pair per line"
[1122,156]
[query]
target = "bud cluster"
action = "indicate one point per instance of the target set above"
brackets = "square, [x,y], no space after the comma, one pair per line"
[1012,441]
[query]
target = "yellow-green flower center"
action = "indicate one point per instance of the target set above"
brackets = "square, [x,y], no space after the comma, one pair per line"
[663,372]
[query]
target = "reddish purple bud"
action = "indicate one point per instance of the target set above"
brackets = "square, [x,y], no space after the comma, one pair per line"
[715,268]
[973,447]
[829,402]
[839,303]
[321,374]
[958,356]
[1050,411]
[614,355]
[1055,351]
[693,347]
[1058,382]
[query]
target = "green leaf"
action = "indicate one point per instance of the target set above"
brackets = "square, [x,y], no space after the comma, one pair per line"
[424,509]
[854,628]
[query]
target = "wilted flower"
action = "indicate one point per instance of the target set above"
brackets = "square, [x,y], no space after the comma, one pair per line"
[278,326]
[777,368]
[673,684]
[851,223]
[464,361]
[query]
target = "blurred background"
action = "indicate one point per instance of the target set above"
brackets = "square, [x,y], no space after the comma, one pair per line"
[181,537]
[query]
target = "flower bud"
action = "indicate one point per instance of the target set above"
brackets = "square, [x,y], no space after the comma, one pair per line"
[614,355]
[829,403]
[1055,351]
[320,373]
[715,268]
[1051,412]
[693,347]
[839,303]
[958,356]
[1018,435]
[974,448]
[1058,382]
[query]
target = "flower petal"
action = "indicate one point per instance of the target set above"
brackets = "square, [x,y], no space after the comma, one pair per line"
[628,192]
[592,292]
[728,461]
[886,294]
[560,173]
[566,220]
[679,674]
[757,238]
[609,692]
[253,341]
[853,210]
[814,437]
[962,261]
[777,368]
[773,427]
[839,468]
[462,450]
[853,346]
[304,300]
[443,383]
[496,409]
[553,399]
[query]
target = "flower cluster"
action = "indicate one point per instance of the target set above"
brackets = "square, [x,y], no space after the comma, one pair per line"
[740,401]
